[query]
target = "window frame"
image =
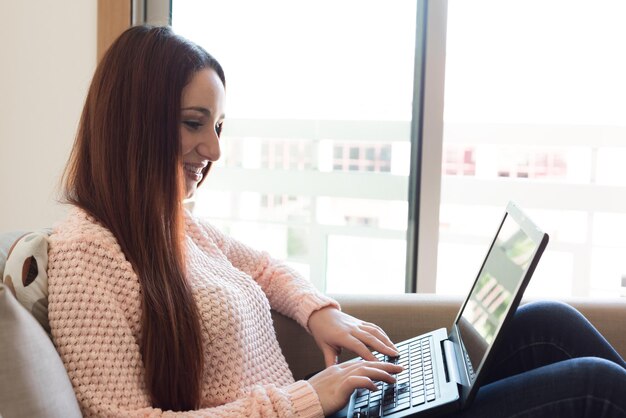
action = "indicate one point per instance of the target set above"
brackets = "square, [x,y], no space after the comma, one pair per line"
[114,17]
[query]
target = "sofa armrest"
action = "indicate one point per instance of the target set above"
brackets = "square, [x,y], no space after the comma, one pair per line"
[608,316]
[406,315]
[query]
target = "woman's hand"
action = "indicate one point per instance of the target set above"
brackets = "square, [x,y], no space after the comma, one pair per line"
[335,384]
[334,330]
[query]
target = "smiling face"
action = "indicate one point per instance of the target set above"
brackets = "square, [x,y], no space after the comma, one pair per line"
[202,115]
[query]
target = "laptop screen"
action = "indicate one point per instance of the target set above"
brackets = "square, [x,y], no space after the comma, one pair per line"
[494,291]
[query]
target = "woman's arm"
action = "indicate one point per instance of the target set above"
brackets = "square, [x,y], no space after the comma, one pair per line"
[292,295]
[287,291]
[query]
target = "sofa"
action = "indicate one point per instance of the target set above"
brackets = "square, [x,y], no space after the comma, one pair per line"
[406,315]
[33,382]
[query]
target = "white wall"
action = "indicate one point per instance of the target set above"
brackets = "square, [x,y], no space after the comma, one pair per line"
[47,59]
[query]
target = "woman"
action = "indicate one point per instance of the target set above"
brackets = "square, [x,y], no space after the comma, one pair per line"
[157,313]
[153,310]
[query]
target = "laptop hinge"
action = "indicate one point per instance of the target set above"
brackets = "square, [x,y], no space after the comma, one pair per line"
[451,363]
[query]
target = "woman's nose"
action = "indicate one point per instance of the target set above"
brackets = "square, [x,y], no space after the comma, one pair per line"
[210,147]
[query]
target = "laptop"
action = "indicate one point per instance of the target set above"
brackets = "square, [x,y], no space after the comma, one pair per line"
[443,370]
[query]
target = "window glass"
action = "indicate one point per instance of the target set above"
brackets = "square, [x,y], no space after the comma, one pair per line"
[316,146]
[535,111]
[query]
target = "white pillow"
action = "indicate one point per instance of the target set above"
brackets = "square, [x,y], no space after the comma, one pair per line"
[6,241]
[25,274]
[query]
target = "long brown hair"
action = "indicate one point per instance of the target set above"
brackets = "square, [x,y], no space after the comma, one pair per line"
[125,169]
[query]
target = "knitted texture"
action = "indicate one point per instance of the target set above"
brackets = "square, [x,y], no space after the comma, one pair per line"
[95,312]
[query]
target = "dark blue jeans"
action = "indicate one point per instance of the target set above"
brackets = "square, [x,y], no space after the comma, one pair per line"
[552,363]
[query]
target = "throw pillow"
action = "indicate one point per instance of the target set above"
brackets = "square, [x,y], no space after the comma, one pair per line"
[25,274]
[6,241]
[33,380]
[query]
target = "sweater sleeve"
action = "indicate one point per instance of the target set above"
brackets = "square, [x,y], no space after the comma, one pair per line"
[94,304]
[288,292]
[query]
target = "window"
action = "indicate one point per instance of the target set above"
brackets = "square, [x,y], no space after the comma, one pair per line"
[316,145]
[535,111]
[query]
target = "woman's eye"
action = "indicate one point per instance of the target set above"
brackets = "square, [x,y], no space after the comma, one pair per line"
[218,128]
[192,124]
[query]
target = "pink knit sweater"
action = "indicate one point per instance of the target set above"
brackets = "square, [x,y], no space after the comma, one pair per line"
[95,311]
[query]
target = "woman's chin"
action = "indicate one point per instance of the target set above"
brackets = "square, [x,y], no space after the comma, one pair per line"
[190,190]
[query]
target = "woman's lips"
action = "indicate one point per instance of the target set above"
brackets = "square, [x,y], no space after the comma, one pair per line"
[193,171]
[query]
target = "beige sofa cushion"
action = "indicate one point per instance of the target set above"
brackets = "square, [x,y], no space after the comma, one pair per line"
[407,315]
[33,380]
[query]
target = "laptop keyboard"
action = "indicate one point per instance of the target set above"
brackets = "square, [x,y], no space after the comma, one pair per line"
[414,386]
